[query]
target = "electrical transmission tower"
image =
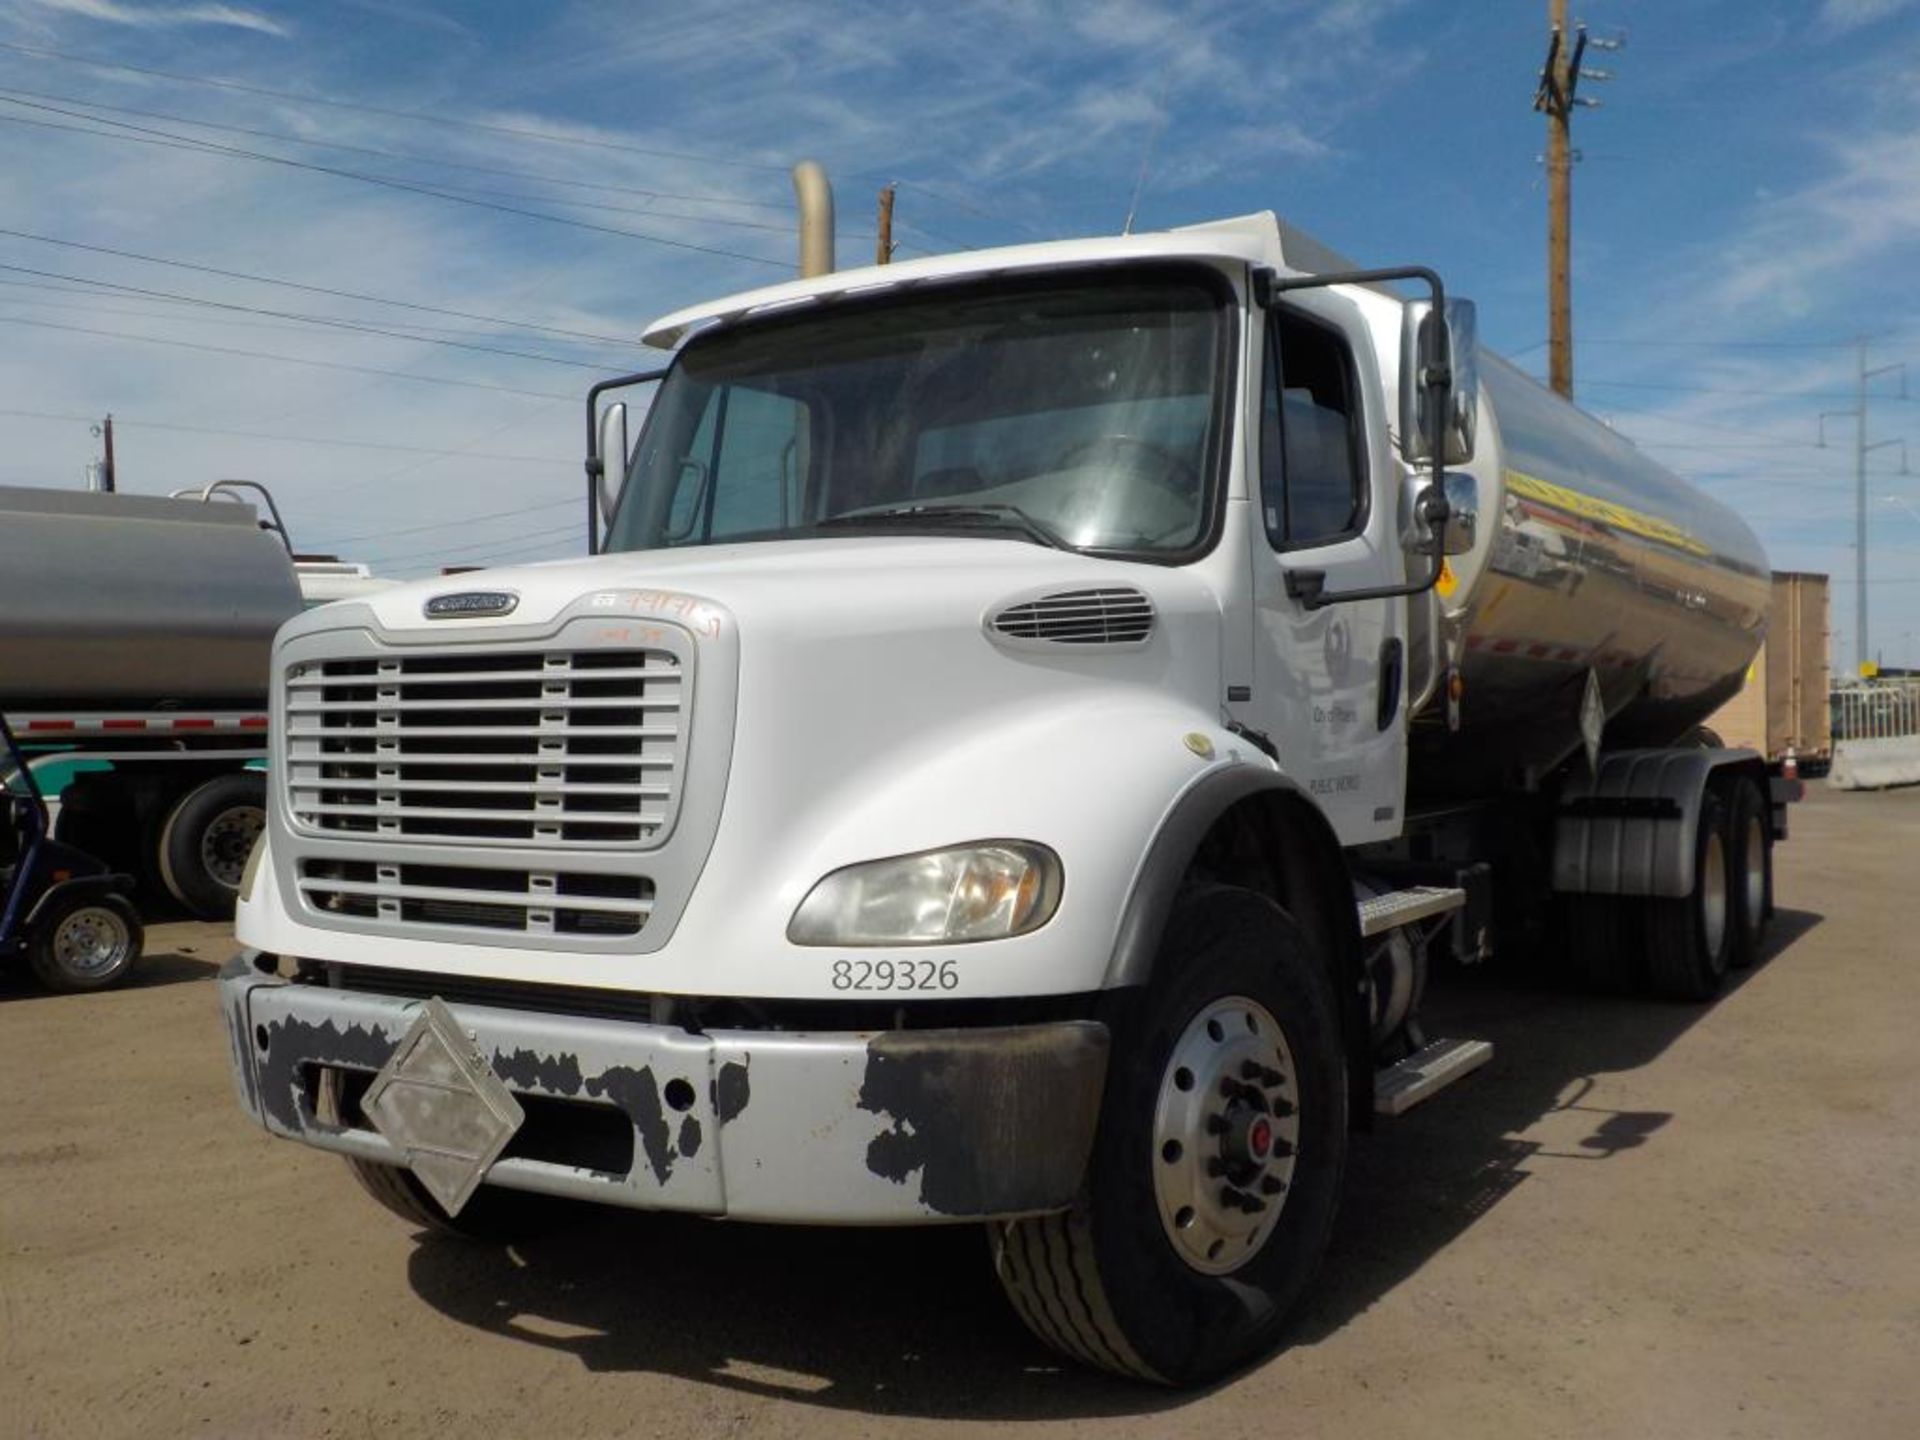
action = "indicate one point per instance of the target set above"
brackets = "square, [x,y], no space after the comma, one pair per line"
[1862,447]
[1556,98]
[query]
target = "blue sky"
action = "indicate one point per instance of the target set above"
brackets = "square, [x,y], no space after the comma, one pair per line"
[1748,202]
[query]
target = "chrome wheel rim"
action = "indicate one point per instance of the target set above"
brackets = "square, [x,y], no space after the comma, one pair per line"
[90,942]
[1226,1135]
[1713,894]
[226,843]
[1756,870]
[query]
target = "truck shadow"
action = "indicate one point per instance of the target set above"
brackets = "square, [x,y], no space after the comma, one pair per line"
[912,1323]
[17,982]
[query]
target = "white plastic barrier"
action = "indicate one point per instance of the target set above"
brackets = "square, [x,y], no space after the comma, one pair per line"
[1875,764]
[1876,735]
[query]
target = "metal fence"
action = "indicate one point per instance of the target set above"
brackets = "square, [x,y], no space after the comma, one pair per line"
[1877,710]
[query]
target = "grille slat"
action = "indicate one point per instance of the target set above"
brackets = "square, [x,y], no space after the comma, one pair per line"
[478,897]
[1115,615]
[536,748]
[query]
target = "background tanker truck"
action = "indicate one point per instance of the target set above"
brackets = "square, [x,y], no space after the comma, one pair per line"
[1033,718]
[135,632]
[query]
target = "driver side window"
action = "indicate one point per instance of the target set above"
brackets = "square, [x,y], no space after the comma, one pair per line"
[1312,465]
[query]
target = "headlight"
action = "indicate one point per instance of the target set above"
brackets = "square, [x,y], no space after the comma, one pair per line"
[985,891]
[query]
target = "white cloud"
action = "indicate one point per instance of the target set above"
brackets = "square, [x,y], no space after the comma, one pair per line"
[166,16]
[1845,15]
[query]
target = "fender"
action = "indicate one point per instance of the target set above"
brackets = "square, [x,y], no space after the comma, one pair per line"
[1628,829]
[1313,873]
[79,885]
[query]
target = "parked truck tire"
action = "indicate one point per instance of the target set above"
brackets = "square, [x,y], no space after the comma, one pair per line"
[1217,1167]
[84,941]
[1750,836]
[1690,939]
[204,843]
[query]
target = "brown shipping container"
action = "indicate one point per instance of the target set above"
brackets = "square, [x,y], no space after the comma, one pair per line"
[1783,705]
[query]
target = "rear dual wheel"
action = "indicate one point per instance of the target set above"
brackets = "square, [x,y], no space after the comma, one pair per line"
[1217,1166]
[1693,941]
[204,844]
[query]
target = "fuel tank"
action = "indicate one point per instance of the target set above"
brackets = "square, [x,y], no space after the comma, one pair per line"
[131,601]
[1591,559]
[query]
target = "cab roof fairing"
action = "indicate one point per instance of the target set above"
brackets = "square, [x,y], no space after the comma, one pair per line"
[1250,240]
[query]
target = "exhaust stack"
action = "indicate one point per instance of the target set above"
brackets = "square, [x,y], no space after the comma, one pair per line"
[815,194]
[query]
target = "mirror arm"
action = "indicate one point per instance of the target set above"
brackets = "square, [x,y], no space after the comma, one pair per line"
[595,465]
[1431,507]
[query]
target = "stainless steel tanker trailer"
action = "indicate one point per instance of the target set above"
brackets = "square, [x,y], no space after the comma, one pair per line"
[1032,717]
[134,637]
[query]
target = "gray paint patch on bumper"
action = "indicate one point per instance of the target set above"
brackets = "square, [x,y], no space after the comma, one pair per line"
[992,1121]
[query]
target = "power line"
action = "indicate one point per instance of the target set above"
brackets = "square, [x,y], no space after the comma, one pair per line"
[1717,390]
[327,321]
[417,116]
[516,132]
[697,197]
[334,441]
[145,135]
[453,520]
[313,289]
[283,359]
[532,539]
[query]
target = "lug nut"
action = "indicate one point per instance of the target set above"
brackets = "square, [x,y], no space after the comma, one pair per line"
[1216,1167]
[1271,1184]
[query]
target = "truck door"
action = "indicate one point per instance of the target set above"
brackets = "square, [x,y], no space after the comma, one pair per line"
[1329,683]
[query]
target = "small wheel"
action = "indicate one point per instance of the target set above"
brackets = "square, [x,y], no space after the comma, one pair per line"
[1750,833]
[490,1216]
[204,845]
[1690,940]
[1217,1165]
[85,942]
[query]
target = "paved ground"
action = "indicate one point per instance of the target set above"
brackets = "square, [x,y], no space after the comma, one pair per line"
[1641,1221]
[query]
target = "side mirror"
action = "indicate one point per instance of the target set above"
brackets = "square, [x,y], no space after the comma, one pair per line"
[611,452]
[1463,514]
[1429,346]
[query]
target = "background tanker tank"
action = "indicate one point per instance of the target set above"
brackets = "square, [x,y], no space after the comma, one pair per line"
[134,601]
[1590,558]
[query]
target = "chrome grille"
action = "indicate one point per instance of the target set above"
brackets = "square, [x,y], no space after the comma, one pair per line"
[478,897]
[542,748]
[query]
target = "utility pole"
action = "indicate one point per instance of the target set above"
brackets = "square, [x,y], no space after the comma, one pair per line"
[883,247]
[1861,449]
[1556,97]
[100,472]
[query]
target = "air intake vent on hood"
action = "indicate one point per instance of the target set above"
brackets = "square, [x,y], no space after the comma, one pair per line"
[1119,615]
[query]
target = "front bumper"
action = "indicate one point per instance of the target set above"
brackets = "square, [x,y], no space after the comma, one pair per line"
[885,1128]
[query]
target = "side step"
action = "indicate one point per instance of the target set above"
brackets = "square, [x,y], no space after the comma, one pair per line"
[1403,907]
[1426,1072]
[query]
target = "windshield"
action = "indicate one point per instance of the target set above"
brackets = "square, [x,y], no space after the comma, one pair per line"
[1079,411]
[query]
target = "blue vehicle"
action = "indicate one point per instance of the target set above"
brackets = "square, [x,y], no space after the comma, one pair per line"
[65,911]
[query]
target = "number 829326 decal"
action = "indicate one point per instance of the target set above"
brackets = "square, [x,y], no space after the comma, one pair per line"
[895,975]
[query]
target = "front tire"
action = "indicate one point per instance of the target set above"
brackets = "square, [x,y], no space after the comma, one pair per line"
[1217,1167]
[85,942]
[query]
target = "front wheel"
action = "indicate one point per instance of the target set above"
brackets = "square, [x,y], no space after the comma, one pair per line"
[1217,1167]
[85,942]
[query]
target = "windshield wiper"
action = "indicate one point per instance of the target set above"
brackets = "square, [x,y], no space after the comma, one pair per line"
[1005,517]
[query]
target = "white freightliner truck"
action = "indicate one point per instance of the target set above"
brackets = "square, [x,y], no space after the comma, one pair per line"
[1032,716]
